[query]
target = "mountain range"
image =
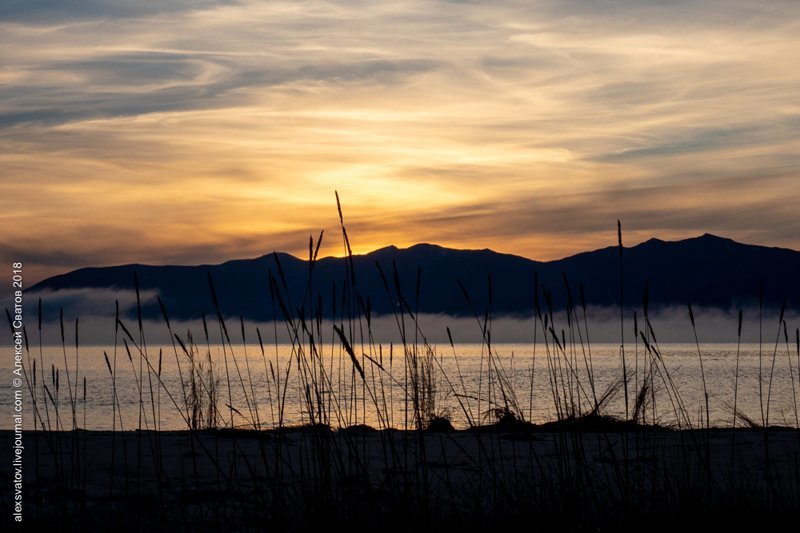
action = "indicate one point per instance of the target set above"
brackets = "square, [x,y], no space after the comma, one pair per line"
[707,271]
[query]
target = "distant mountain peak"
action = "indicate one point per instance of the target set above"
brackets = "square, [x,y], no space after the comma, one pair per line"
[384,250]
[707,270]
[712,237]
[426,246]
[706,239]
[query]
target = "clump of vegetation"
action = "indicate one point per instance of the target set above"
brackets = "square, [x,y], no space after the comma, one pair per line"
[340,456]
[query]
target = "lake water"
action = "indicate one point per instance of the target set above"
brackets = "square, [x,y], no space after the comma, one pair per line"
[462,383]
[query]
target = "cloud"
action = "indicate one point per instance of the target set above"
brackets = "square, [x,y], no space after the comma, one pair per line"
[98,305]
[54,11]
[200,131]
[132,84]
[94,312]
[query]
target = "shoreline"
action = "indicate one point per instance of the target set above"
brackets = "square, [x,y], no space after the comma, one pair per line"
[298,479]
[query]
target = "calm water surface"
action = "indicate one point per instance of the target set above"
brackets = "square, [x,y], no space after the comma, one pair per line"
[464,383]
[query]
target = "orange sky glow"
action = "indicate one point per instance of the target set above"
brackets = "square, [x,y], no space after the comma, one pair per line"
[196,132]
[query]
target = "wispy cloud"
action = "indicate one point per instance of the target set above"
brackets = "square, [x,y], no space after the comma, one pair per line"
[200,131]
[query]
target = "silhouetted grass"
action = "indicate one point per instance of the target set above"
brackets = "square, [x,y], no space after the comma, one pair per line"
[246,467]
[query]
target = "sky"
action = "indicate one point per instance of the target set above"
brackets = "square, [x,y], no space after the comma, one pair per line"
[196,131]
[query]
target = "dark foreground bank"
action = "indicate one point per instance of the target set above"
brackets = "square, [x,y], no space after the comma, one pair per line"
[302,479]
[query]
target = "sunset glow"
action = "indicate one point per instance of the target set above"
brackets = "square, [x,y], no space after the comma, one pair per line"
[192,132]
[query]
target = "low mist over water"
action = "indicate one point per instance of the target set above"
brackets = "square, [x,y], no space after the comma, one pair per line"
[269,390]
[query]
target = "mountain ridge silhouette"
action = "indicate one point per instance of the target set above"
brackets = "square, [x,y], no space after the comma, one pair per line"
[707,271]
